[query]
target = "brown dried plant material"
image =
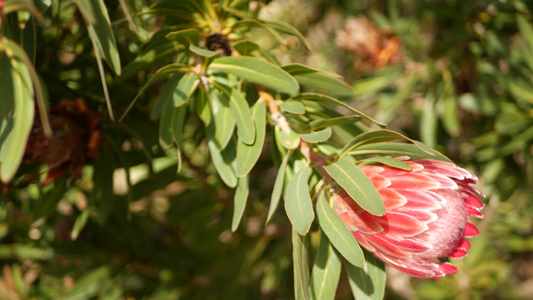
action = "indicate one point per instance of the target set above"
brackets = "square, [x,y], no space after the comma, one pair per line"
[374,46]
[76,138]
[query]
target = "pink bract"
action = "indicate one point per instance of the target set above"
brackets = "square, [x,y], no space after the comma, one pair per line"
[426,216]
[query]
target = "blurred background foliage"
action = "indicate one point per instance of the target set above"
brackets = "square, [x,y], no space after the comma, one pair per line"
[456,75]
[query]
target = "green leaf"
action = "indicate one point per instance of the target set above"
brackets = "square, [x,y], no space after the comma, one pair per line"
[322,123]
[247,155]
[379,136]
[80,223]
[326,271]
[222,123]
[258,71]
[386,160]
[287,137]
[278,186]
[178,120]
[185,88]
[357,185]
[241,196]
[525,28]
[317,136]
[95,14]
[429,123]
[245,47]
[47,204]
[319,80]
[166,93]
[450,119]
[102,192]
[324,98]
[223,160]
[300,266]
[7,97]
[367,282]
[165,126]
[149,59]
[338,234]
[18,125]
[520,90]
[293,107]
[288,29]
[398,149]
[298,203]
[204,52]
[185,37]
[90,285]
[243,119]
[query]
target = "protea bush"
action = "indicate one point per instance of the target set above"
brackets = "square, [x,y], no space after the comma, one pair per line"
[189,117]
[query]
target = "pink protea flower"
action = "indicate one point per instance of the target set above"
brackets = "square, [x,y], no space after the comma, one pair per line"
[426,216]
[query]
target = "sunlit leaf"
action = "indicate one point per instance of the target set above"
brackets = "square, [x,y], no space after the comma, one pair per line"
[357,185]
[326,271]
[386,160]
[278,186]
[185,37]
[338,234]
[248,154]
[258,71]
[369,281]
[318,80]
[298,203]
[240,199]
[317,136]
[243,119]
[223,159]
[300,266]
[293,107]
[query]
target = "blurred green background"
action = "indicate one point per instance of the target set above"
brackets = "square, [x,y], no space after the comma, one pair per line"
[456,75]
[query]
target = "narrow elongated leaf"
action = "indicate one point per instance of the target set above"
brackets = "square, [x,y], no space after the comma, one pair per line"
[319,80]
[186,86]
[322,123]
[258,71]
[245,47]
[166,93]
[338,234]
[298,203]
[429,123]
[293,107]
[325,98]
[288,29]
[148,59]
[300,266]
[278,186]
[386,160]
[47,204]
[525,28]
[317,136]
[243,119]
[223,160]
[80,223]
[178,120]
[450,119]
[100,30]
[221,121]
[357,185]
[7,97]
[326,271]
[240,199]
[19,122]
[247,155]
[204,52]
[185,37]
[398,149]
[165,125]
[369,281]
[378,136]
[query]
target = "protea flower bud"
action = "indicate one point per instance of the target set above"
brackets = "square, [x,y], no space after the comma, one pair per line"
[426,216]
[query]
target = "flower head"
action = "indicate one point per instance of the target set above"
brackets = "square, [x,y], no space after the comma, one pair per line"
[426,216]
